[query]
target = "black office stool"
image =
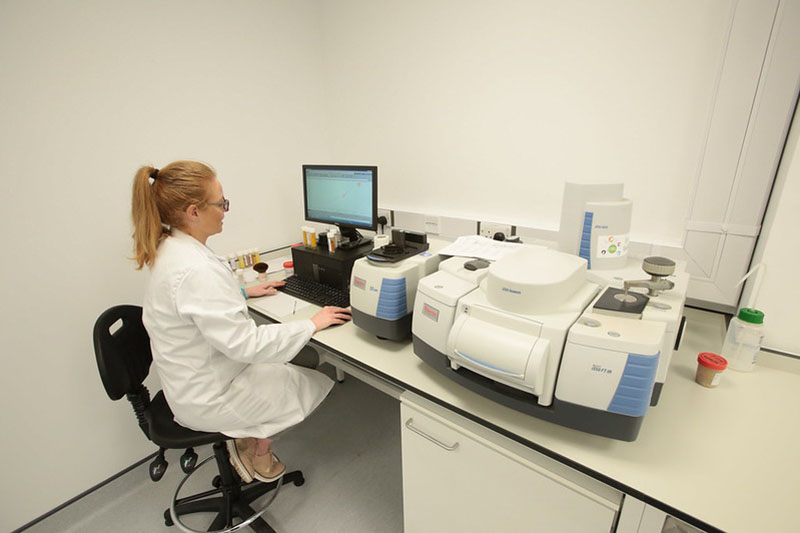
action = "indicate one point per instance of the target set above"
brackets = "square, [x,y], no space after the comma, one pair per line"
[123,359]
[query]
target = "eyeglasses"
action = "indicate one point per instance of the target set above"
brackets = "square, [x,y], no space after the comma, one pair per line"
[225,204]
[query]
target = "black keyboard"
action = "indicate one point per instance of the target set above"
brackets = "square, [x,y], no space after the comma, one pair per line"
[315,292]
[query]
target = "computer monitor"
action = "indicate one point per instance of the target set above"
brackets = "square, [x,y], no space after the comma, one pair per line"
[344,195]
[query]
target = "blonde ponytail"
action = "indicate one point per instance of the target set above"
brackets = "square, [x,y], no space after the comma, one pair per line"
[146,221]
[159,206]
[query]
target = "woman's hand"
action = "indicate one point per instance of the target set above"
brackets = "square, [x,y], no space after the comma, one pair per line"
[330,316]
[263,289]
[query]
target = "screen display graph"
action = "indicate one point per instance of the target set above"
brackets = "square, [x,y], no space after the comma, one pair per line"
[341,195]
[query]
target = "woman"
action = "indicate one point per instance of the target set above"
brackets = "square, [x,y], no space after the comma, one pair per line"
[219,371]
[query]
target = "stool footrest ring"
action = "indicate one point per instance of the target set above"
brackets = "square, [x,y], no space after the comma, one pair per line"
[186,529]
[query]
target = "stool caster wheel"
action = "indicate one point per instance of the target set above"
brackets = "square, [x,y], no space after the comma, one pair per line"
[188,460]
[168,519]
[158,466]
[216,482]
[299,482]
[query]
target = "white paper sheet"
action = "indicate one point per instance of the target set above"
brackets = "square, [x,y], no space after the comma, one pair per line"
[279,305]
[478,246]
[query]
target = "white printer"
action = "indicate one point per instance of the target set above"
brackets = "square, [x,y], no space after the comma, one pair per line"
[383,284]
[533,332]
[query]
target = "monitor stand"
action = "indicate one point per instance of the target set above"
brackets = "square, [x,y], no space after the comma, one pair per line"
[351,238]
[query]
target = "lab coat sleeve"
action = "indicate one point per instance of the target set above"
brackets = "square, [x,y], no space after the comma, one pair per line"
[206,296]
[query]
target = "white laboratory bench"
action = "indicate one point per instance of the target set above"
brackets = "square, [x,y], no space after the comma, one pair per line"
[719,459]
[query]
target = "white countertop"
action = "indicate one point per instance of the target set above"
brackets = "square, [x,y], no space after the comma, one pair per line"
[723,456]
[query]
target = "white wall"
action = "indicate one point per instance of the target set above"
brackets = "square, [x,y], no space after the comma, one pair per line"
[777,293]
[90,91]
[479,109]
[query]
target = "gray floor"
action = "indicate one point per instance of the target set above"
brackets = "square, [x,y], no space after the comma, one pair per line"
[348,450]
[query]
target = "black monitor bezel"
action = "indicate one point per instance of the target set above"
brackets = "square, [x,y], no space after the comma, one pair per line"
[372,168]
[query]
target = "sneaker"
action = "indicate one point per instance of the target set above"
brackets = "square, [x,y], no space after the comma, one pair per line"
[242,452]
[268,468]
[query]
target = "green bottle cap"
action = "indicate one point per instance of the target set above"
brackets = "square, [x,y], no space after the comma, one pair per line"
[754,316]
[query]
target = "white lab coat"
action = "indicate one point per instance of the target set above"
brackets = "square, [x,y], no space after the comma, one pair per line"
[219,371]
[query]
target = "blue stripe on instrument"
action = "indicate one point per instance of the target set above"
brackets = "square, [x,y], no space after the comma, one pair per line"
[635,387]
[585,250]
[392,299]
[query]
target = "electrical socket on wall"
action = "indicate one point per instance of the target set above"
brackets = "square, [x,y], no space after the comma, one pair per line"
[385,213]
[489,229]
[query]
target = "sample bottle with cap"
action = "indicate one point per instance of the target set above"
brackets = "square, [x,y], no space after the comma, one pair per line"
[743,340]
[709,369]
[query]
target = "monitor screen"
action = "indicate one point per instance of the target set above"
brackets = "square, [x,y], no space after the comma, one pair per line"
[343,195]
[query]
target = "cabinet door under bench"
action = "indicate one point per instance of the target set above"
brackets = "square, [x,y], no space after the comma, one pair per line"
[460,476]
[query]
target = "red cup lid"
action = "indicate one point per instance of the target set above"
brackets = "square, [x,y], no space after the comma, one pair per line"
[712,361]
[288,264]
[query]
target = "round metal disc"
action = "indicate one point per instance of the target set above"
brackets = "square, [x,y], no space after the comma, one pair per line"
[625,298]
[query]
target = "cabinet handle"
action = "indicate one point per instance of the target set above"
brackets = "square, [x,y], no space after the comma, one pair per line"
[426,436]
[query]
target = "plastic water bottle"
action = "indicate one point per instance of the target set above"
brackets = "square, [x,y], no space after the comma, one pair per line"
[743,340]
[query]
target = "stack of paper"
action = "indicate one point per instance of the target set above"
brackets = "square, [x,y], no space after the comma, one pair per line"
[480,247]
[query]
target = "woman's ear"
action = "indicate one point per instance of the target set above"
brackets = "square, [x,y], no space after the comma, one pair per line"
[192,213]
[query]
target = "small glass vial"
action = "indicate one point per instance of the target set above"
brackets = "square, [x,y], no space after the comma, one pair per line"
[743,340]
[332,241]
[288,268]
[312,238]
[709,369]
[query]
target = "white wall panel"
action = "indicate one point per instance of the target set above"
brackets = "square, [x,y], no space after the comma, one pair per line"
[703,248]
[482,110]
[746,46]
[769,123]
